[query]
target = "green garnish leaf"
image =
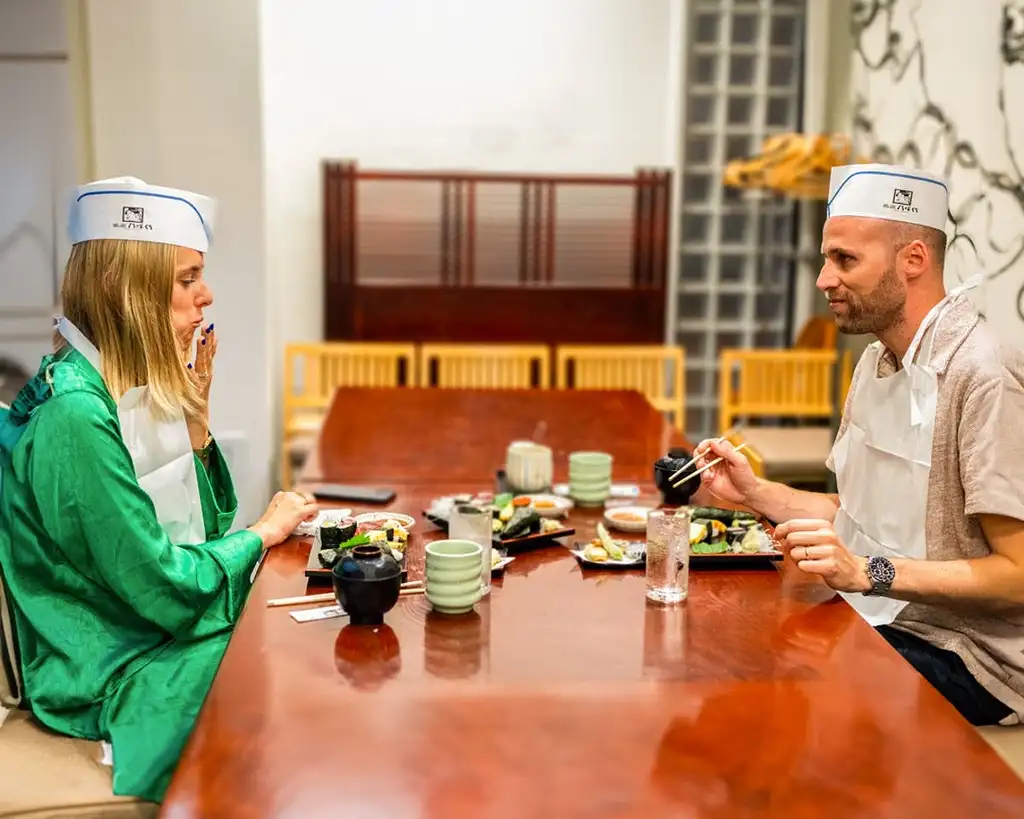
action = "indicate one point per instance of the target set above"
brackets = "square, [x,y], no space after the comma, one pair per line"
[716,548]
[358,540]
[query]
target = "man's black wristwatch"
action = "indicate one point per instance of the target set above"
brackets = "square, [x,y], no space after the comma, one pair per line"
[881,573]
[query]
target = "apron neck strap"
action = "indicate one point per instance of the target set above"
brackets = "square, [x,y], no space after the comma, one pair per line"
[934,315]
[76,338]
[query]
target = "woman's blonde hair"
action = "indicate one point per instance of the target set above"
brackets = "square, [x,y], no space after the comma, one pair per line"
[118,293]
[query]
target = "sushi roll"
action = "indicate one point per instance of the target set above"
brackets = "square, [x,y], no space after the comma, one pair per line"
[330,535]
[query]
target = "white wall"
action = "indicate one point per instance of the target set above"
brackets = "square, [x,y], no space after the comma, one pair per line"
[38,160]
[931,98]
[828,72]
[544,85]
[175,101]
[184,93]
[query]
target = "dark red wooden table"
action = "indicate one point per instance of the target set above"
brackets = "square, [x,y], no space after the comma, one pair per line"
[565,694]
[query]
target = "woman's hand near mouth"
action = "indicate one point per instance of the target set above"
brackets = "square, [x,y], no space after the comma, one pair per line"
[201,371]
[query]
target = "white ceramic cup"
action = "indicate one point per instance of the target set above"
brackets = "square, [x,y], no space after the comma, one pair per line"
[529,467]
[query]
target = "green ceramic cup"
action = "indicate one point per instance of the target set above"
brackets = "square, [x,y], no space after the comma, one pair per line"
[590,496]
[590,477]
[453,575]
[590,462]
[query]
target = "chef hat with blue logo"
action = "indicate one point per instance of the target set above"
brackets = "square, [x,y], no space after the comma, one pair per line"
[889,192]
[128,208]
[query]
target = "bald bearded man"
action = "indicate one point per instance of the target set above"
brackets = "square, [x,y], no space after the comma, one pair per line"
[925,538]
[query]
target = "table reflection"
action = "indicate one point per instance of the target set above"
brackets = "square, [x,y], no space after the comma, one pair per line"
[457,646]
[367,656]
[664,641]
[698,767]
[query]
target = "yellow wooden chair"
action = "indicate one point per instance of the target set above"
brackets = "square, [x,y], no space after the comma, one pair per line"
[485,366]
[845,378]
[657,371]
[818,333]
[1008,742]
[312,372]
[797,384]
[736,437]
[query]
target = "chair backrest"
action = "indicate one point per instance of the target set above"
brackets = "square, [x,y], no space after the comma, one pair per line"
[819,333]
[845,378]
[754,458]
[776,383]
[12,378]
[657,371]
[485,366]
[312,372]
[10,670]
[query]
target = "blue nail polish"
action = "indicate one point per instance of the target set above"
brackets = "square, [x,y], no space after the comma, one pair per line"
[210,328]
[190,366]
[204,341]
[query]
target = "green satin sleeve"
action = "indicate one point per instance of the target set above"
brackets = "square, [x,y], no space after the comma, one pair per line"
[87,495]
[216,492]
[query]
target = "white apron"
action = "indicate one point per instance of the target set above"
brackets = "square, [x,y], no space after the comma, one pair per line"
[161,452]
[883,458]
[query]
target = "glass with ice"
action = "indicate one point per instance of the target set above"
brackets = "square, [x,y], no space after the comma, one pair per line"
[471,523]
[668,555]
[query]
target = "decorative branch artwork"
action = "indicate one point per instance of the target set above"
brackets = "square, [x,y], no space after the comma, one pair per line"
[940,86]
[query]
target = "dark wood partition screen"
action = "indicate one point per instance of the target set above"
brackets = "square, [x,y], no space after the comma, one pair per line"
[452,256]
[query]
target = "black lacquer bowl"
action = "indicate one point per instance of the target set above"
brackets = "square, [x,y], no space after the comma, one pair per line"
[367,581]
[664,468]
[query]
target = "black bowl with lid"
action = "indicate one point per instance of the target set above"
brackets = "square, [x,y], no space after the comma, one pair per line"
[667,466]
[367,581]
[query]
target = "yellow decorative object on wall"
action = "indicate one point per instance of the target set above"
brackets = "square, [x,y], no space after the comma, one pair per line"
[797,165]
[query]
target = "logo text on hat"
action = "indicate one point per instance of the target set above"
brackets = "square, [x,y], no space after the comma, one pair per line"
[902,201]
[133,218]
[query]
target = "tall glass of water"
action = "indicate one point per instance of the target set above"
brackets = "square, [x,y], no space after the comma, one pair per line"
[668,555]
[474,524]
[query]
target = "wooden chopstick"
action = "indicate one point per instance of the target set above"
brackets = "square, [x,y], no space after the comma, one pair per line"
[730,431]
[298,601]
[706,466]
[412,587]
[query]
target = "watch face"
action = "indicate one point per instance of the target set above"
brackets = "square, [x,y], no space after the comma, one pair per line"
[881,570]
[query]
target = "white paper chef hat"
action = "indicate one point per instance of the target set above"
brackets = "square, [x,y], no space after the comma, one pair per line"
[889,192]
[128,208]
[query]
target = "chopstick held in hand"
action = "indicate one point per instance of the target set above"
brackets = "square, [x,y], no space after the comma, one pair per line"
[723,437]
[705,467]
